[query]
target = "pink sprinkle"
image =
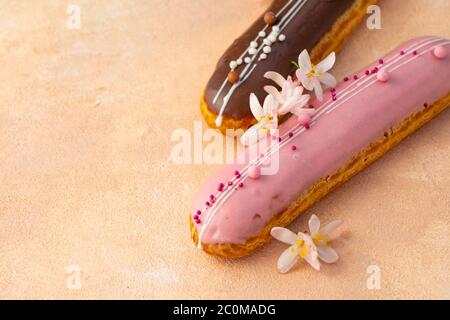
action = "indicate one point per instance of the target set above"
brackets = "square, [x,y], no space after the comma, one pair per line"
[254,172]
[241,185]
[208,204]
[334,98]
[279,139]
[238,176]
[307,126]
[367,72]
[415,52]
[381,61]
[346,79]
[213,200]
[291,134]
[333,89]
[383,76]
[211,196]
[375,70]
[293,148]
[236,173]
[440,52]
[220,188]
[355,77]
[311,106]
[333,94]
[402,53]
[230,183]
[199,212]
[198,221]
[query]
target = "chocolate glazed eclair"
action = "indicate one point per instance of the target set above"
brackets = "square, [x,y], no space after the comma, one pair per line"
[288,27]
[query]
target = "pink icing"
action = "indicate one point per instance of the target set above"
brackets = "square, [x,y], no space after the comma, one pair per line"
[365,109]
[304,119]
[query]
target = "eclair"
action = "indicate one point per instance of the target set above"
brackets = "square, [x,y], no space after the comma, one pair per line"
[276,38]
[357,121]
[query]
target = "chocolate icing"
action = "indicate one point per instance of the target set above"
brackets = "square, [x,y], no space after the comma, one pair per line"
[306,29]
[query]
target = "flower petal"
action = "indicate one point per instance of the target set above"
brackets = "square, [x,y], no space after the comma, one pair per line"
[252,135]
[275,77]
[299,111]
[284,235]
[255,107]
[328,80]
[304,61]
[287,259]
[298,90]
[312,259]
[274,125]
[314,225]
[269,107]
[318,90]
[307,82]
[329,228]
[284,109]
[275,93]
[327,254]
[327,63]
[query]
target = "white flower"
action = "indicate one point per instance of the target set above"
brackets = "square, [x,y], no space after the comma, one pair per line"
[291,98]
[309,247]
[267,119]
[302,247]
[311,76]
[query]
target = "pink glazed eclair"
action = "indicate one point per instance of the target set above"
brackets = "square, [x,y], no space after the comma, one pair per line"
[366,115]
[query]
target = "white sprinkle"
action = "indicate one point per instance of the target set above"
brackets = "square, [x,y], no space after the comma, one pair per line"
[233,65]
[263,56]
[272,38]
[276,28]
[252,51]
[262,34]
[282,37]
[267,42]
[239,61]
[253,44]
[248,60]
[267,49]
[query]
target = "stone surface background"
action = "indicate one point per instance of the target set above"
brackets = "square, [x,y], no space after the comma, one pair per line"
[86,118]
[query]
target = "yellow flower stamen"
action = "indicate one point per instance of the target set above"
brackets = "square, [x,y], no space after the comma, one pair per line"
[314,72]
[320,237]
[303,250]
[266,119]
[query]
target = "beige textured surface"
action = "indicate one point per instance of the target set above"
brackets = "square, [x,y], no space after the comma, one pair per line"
[85,123]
